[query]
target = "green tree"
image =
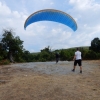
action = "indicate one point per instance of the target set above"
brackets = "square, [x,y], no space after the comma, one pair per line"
[28,57]
[95,45]
[3,53]
[12,45]
[46,54]
[63,55]
[90,55]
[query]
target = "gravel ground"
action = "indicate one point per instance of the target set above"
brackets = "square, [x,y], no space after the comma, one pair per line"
[51,68]
[50,81]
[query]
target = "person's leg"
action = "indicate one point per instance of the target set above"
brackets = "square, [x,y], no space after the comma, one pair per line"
[56,60]
[75,63]
[80,64]
[80,69]
[73,68]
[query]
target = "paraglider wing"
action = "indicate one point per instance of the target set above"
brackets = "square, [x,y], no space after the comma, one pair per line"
[51,15]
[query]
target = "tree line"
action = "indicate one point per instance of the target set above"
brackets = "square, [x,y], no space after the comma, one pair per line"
[12,50]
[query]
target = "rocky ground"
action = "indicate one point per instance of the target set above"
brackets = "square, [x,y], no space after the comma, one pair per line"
[52,81]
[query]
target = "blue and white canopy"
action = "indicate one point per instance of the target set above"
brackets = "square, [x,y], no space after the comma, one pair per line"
[51,15]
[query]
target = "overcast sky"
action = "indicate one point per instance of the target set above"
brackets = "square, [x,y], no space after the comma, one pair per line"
[39,35]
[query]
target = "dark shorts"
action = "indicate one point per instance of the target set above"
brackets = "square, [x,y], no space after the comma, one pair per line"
[79,62]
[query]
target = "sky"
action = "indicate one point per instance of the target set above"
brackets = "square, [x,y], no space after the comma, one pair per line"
[39,35]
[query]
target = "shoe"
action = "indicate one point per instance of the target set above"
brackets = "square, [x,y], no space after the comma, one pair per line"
[81,71]
[73,70]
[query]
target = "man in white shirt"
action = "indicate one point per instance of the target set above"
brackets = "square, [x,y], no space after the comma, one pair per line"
[77,60]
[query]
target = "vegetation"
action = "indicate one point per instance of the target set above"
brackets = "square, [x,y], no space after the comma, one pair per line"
[11,50]
[10,47]
[95,45]
[4,62]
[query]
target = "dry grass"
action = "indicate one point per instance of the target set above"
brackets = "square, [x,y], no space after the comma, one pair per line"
[23,84]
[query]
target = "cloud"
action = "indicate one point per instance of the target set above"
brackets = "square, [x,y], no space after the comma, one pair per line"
[86,10]
[42,34]
[87,13]
[4,10]
[82,4]
[10,19]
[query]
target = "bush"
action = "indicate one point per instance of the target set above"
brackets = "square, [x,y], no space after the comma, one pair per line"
[42,60]
[91,55]
[19,59]
[1,58]
[4,62]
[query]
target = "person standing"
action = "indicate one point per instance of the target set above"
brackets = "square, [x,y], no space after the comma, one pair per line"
[77,60]
[57,57]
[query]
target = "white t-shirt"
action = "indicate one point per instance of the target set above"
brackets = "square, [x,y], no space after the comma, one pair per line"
[78,55]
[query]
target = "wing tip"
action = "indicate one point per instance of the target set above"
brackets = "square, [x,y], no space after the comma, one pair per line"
[24,28]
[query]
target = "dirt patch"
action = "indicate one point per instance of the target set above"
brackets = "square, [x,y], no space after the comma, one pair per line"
[18,83]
